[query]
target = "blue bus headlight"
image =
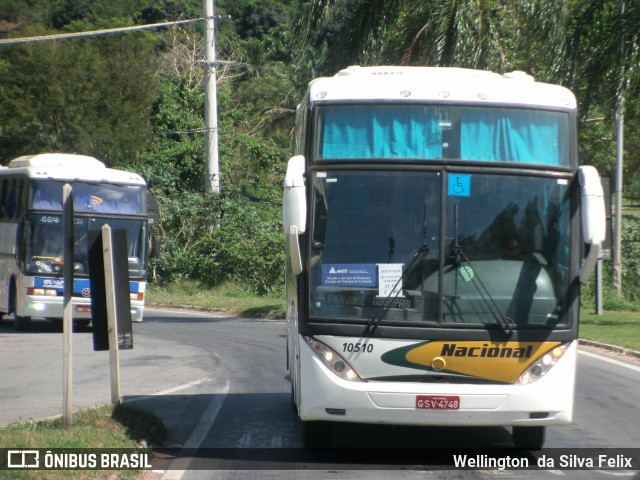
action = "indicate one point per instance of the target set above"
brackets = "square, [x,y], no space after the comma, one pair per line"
[333,360]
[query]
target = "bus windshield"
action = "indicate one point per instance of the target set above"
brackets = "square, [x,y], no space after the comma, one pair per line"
[90,198]
[394,241]
[44,243]
[432,132]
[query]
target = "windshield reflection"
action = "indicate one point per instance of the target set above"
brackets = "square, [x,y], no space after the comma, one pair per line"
[512,230]
[44,247]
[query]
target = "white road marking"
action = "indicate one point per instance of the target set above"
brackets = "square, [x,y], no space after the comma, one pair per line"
[179,465]
[170,390]
[610,360]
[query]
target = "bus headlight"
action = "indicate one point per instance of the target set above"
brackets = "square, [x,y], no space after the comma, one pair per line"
[43,292]
[542,365]
[137,297]
[333,361]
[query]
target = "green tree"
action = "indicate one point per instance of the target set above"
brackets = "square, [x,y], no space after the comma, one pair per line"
[174,161]
[84,96]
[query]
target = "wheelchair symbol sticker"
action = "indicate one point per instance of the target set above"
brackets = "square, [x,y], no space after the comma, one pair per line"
[459,185]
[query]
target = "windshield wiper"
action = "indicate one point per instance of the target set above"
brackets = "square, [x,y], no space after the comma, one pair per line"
[458,259]
[389,300]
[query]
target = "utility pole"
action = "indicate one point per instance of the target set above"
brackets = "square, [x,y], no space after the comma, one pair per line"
[212,167]
[617,246]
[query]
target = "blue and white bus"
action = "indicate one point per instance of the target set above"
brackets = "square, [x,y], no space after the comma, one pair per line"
[435,221]
[31,282]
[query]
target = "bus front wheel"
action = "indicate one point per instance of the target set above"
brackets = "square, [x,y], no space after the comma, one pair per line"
[23,324]
[528,438]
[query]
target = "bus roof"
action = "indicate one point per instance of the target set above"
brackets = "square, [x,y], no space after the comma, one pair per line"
[69,167]
[389,83]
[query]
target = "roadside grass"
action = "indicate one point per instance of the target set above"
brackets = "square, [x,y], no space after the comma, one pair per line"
[617,327]
[227,299]
[96,428]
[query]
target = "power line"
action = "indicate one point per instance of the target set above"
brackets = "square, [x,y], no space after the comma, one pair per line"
[95,33]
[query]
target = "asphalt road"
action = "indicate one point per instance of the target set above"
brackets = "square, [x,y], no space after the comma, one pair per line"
[220,384]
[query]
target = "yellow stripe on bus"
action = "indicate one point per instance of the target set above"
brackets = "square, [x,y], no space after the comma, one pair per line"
[499,361]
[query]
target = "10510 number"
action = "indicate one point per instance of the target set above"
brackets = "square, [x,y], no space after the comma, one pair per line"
[357,347]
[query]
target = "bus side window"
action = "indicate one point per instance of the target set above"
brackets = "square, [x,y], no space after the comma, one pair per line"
[23,198]
[3,184]
[11,199]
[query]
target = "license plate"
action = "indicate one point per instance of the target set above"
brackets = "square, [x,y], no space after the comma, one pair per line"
[437,402]
[83,308]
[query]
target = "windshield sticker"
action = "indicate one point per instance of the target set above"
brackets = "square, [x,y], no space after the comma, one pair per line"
[459,185]
[466,273]
[390,279]
[349,275]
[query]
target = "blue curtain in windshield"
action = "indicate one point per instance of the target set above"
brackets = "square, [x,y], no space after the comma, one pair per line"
[488,134]
[380,132]
[511,136]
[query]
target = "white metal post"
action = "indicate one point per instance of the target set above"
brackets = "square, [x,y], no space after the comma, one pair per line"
[67,318]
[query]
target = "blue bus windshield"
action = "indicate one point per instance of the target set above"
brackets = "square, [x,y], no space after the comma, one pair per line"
[429,132]
[90,198]
[44,243]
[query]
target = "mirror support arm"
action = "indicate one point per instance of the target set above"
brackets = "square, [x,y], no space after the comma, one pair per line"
[294,251]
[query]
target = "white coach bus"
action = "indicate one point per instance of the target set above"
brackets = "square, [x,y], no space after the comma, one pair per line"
[435,221]
[31,282]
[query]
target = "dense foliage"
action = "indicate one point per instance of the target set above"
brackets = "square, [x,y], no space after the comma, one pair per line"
[135,100]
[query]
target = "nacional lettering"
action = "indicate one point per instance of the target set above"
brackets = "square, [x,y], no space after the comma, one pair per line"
[485,351]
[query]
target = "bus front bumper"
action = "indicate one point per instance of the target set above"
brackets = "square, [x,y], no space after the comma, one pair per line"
[53,307]
[326,397]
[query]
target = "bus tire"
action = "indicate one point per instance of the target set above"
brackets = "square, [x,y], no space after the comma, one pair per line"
[22,324]
[294,407]
[529,438]
[316,434]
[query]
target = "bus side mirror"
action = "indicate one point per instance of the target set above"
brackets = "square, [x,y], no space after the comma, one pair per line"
[295,209]
[593,217]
